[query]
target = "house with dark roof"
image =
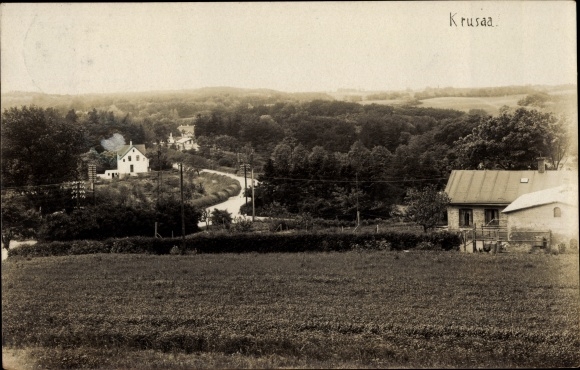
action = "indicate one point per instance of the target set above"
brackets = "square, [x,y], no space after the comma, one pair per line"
[541,203]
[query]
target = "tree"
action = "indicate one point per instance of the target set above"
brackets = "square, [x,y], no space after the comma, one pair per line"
[426,206]
[17,221]
[538,99]
[39,147]
[514,141]
[221,217]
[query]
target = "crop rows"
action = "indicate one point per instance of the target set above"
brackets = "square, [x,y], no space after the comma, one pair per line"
[423,309]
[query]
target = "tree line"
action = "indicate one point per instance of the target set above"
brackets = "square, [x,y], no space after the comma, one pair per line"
[329,158]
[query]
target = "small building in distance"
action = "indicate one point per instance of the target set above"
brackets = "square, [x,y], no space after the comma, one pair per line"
[187,130]
[187,139]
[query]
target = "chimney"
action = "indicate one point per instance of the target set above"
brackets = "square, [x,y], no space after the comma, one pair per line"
[541,165]
[130,142]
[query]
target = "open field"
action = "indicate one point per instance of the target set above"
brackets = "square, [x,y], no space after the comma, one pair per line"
[353,309]
[565,103]
[490,104]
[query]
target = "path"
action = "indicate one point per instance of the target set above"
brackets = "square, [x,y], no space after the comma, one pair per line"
[14,244]
[233,204]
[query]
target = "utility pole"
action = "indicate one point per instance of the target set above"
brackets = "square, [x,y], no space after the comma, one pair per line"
[357,210]
[158,174]
[182,209]
[245,183]
[78,192]
[253,195]
[92,177]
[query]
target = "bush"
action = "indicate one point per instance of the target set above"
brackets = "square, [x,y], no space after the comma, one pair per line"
[60,248]
[242,225]
[229,242]
[427,246]
[221,218]
[114,221]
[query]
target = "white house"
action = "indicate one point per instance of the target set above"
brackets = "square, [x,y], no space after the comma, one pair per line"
[554,209]
[131,159]
[186,141]
[187,130]
[109,174]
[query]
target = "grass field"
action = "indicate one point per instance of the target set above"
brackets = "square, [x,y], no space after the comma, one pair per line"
[565,103]
[353,309]
[490,104]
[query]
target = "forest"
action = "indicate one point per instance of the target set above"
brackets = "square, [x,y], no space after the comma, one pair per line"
[312,154]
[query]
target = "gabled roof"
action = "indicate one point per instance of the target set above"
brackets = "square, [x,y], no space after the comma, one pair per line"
[125,149]
[561,194]
[184,140]
[502,187]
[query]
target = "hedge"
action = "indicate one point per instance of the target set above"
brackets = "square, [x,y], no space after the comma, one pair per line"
[217,197]
[249,242]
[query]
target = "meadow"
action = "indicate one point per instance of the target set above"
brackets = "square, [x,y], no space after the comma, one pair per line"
[311,310]
[490,104]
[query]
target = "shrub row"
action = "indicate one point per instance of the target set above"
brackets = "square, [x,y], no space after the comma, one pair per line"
[105,221]
[232,188]
[248,242]
[216,197]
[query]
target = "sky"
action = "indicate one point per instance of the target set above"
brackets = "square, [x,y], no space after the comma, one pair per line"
[295,47]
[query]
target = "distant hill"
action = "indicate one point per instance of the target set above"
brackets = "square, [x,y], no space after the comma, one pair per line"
[133,102]
[188,103]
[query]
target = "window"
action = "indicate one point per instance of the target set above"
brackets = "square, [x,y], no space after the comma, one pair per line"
[492,217]
[465,217]
[557,212]
[137,159]
[129,158]
[123,160]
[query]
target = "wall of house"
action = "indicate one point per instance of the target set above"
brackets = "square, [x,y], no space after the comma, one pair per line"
[109,174]
[542,217]
[478,215]
[124,165]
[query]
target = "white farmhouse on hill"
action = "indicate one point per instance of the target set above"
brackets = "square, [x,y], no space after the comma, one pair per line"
[131,160]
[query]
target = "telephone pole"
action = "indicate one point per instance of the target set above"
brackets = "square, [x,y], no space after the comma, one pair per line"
[253,197]
[357,210]
[182,209]
[245,183]
[158,174]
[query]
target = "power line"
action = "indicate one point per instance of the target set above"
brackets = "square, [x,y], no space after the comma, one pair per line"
[354,181]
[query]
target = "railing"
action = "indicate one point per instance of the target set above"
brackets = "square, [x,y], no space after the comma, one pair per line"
[535,238]
[488,235]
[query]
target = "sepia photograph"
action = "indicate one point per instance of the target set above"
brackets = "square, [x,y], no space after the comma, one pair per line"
[275,185]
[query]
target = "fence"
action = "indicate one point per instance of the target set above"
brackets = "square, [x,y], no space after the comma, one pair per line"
[534,238]
[488,237]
